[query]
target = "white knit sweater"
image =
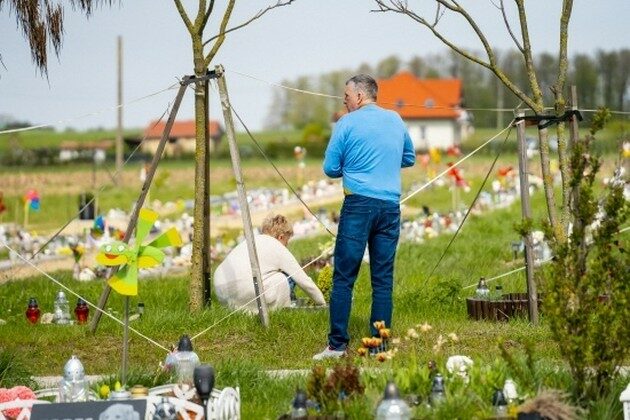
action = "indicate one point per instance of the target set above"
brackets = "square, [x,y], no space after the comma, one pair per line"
[233,281]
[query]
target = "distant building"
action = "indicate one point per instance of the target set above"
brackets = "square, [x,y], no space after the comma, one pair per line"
[92,150]
[431,108]
[181,139]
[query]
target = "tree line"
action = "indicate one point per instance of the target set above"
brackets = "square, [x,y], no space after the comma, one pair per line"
[602,78]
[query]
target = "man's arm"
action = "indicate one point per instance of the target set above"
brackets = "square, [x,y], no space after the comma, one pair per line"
[409,153]
[333,158]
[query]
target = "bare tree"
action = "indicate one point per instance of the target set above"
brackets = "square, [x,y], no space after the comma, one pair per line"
[531,95]
[41,23]
[204,52]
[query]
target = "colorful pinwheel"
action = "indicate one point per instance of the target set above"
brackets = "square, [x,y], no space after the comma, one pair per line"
[134,257]
[31,199]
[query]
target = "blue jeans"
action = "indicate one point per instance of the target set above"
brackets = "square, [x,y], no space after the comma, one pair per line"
[363,221]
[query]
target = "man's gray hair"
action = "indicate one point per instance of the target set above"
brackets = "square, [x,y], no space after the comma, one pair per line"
[365,84]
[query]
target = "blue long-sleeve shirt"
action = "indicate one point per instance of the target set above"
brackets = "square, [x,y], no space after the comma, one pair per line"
[367,148]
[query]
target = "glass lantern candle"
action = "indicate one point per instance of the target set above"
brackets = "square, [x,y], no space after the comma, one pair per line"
[33,312]
[81,311]
[438,394]
[61,313]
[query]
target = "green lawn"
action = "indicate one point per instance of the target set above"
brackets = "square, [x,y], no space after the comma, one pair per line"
[481,249]
[239,348]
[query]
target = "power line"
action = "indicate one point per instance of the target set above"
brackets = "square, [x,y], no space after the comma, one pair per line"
[261,150]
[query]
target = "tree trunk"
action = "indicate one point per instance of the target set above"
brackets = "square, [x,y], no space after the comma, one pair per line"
[543,141]
[197,298]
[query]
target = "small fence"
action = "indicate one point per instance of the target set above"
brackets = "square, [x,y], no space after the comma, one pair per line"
[509,306]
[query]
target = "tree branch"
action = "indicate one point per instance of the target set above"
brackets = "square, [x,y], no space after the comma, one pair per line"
[184,15]
[222,32]
[208,13]
[529,60]
[198,26]
[509,27]
[258,15]
[399,6]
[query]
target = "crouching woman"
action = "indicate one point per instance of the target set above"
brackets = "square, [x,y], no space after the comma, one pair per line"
[280,271]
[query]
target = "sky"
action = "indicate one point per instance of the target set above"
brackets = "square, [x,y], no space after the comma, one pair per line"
[308,37]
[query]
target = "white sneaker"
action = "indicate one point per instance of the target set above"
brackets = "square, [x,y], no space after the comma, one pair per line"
[329,353]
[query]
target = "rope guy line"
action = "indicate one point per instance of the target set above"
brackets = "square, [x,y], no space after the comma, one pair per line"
[58,283]
[329,249]
[441,174]
[100,190]
[261,150]
[90,114]
[472,204]
[309,92]
[516,270]
[238,309]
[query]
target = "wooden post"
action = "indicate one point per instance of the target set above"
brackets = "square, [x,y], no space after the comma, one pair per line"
[125,354]
[526,211]
[242,197]
[143,194]
[207,289]
[119,134]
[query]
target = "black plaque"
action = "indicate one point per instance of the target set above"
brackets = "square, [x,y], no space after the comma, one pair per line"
[91,410]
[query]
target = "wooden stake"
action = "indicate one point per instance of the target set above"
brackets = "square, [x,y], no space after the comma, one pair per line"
[207,287]
[242,198]
[532,295]
[143,194]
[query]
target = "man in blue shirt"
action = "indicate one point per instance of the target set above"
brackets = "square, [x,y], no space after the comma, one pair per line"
[368,147]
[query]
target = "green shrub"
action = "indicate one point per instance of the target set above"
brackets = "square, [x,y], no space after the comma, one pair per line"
[587,287]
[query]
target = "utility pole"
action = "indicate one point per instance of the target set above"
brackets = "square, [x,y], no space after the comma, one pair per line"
[526,210]
[119,133]
[242,198]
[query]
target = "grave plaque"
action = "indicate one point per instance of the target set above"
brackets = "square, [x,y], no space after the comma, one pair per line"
[91,410]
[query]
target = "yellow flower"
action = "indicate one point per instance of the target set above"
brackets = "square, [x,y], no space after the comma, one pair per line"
[374,342]
[384,333]
[379,325]
[365,341]
[104,391]
[453,337]
[381,357]
[362,351]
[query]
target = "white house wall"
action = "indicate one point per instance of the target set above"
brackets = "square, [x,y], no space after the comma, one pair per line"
[438,133]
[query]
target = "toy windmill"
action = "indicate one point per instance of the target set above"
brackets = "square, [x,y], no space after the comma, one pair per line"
[134,257]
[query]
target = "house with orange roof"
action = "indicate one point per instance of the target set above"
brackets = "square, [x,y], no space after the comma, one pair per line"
[181,139]
[431,108]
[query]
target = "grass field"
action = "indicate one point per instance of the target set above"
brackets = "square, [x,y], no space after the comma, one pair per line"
[293,336]
[239,348]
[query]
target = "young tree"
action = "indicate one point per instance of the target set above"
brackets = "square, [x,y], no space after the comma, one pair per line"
[203,52]
[531,94]
[41,22]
